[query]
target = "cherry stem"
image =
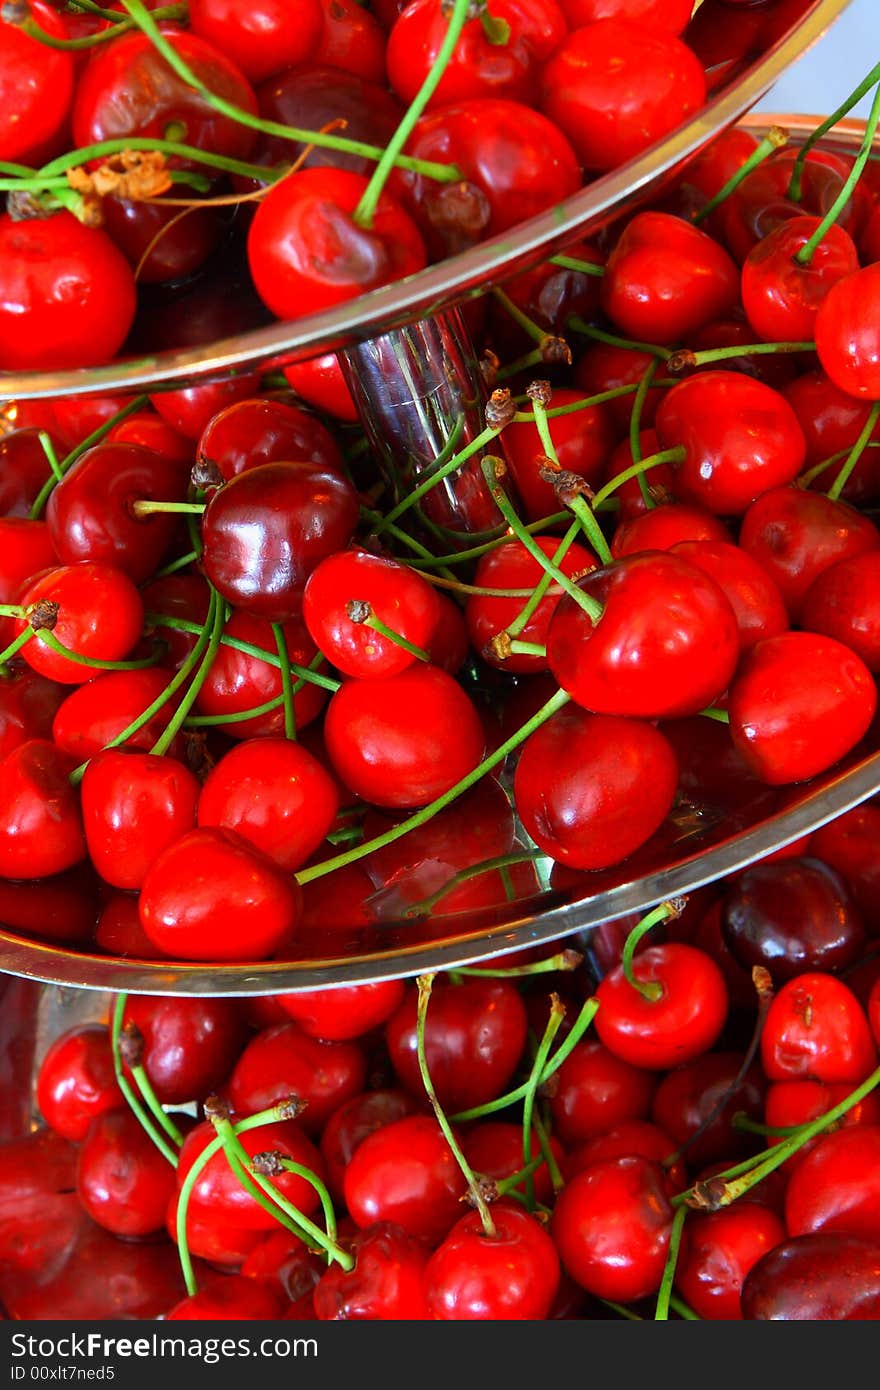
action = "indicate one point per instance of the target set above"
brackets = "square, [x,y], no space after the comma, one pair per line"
[683,359]
[720,716]
[136,403]
[856,451]
[614,394]
[534,330]
[424,906]
[679,1306]
[148,507]
[774,140]
[493,469]
[805,479]
[554,1022]
[795,186]
[425,984]
[16,644]
[52,458]
[287,695]
[601,335]
[360,612]
[725,1187]
[635,428]
[30,27]
[665,1291]
[635,470]
[426,813]
[214,625]
[441,469]
[651,990]
[515,627]
[575,263]
[131,1051]
[516,648]
[291,1166]
[587,1013]
[144,20]
[556,1177]
[303,673]
[564,960]
[475,552]
[805,254]
[50,174]
[141,1114]
[49,639]
[366,209]
[539,394]
[181,563]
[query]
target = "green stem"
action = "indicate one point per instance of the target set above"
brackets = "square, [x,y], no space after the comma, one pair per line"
[796,181]
[16,644]
[425,905]
[591,527]
[51,457]
[601,335]
[557,1014]
[436,476]
[575,263]
[855,452]
[635,426]
[360,612]
[42,497]
[214,624]
[248,649]
[144,1085]
[32,29]
[287,697]
[48,639]
[515,627]
[774,140]
[720,716]
[649,989]
[665,1292]
[528,325]
[550,965]
[142,1116]
[675,455]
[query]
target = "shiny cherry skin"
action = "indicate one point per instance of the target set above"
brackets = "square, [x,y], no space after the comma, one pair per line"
[511,566]
[781,296]
[750,590]
[611,1226]
[798,704]
[307,252]
[265,530]
[75,288]
[319,381]
[264,38]
[184,596]
[284,1259]
[683,1018]
[310,96]
[816,1029]
[76,1081]
[740,439]
[665,526]
[274,794]
[343,1012]
[263,430]
[240,680]
[26,548]
[160,246]
[507,1276]
[843,602]
[283,1060]
[796,534]
[674,624]
[405,740]
[386,1284]
[834,1188]
[118,931]
[122,1179]
[36,82]
[475,1033]
[190,409]
[190,1044]
[689,1095]
[100,614]
[639,1137]
[405,1172]
[351,39]
[790,916]
[212,896]
[135,806]
[41,829]
[587,89]
[349,1125]
[591,788]
[847,337]
[792,1103]
[832,421]
[95,713]
[666,278]
[607,367]
[594,1090]
[396,595]
[722,1247]
[230,1297]
[24,469]
[815,1278]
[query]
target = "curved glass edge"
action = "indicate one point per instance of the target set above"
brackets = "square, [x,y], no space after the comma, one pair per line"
[457,278]
[49,965]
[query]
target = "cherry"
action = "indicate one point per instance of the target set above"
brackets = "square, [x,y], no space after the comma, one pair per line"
[849,844]
[135,806]
[387,1282]
[791,916]
[798,704]
[161,246]
[813,1278]
[230,1297]
[722,1247]
[349,1125]
[780,295]
[24,469]
[265,530]
[591,788]
[664,14]
[816,1029]
[320,382]
[846,334]
[507,1275]
[594,1090]
[343,1012]
[831,422]
[346,583]
[842,602]
[92,715]
[665,278]
[184,596]
[611,1226]
[583,440]
[665,526]
[74,287]
[405,740]
[475,1033]
[696,1103]
[27,548]
[511,566]
[263,430]
[274,794]
[283,1060]
[190,1044]
[679,1015]
[190,409]
[792,1103]
[62,908]
[99,614]
[405,1172]
[264,39]
[834,1187]
[587,89]
[39,1213]
[211,895]
[607,367]
[351,39]
[307,251]
[76,1081]
[494,1150]
[749,589]
[122,1180]
[665,645]
[310,97]
[36,83]
[740,439]
[41,830]
[284,1258]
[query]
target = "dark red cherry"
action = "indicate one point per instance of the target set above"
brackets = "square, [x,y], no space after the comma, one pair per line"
[76,1081]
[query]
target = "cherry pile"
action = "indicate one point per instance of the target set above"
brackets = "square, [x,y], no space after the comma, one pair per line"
[685,1124]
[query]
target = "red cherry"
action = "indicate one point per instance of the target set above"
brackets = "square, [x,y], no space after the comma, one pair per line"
[494,1150]
[594,1090]
[266,37]
[92,715]
[798,704]
[349,1125]
[816,1029]
[834,1187]
[847,337]
[722,1247]
[230,1297]
[41,830]
[682,1017]
[832,422]
[822,1277]
[351,39]
[387,1283]
[135,806]
[190,1044]
[849,844]
[583,440]
[99,614]
[781,296]
[696,1104]
[790,1104]
[190,409]
[76,1080]
[405,1172]
[664,526]
[510,1275]
[750,590]
[671,15]
[343,1012]
[285,1061]
[320,382]
[843,602]
[262,430]
[312,95]
[212,896]
[122,1180]
[36,82]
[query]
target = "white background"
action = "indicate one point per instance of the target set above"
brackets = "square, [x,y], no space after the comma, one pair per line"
[824,77]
